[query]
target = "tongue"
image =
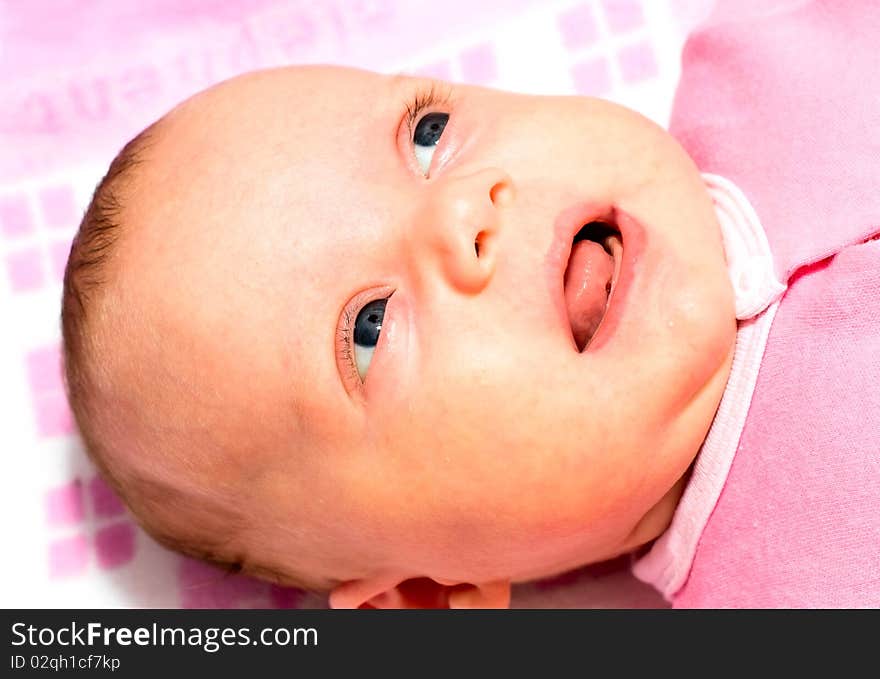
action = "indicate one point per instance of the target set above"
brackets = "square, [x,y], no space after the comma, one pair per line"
[589,270]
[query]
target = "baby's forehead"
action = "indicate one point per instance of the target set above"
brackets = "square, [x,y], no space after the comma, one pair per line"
[221,247]
[284,130]
[297,98]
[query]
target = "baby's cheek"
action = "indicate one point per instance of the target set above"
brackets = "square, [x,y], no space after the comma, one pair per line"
[696,318]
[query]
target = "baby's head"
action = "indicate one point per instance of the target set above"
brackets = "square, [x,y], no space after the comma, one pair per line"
[330,326]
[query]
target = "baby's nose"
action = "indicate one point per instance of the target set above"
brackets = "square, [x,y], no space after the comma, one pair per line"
[463,224]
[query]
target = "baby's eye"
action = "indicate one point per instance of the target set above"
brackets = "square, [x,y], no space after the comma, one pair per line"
[367,327]
[425,137]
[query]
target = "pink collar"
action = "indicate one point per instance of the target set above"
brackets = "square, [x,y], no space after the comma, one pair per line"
[758,291]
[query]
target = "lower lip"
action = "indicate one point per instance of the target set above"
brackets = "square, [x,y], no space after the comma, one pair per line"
[632,236]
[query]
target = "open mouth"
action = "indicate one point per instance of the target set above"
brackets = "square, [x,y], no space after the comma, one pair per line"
[590,277]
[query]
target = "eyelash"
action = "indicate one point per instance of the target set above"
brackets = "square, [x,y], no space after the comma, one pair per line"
[436,94]
[346,337]
[344,348]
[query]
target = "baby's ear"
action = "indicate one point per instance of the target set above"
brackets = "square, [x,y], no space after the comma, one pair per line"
[419,593]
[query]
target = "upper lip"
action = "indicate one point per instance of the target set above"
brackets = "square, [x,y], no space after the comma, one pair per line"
[565,227]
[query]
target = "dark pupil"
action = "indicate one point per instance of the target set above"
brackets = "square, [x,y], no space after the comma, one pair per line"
[429,129]
[369,322]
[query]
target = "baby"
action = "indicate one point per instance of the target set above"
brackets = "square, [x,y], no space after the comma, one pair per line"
[410,342]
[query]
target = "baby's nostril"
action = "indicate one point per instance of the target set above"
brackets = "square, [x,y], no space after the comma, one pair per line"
[478,242]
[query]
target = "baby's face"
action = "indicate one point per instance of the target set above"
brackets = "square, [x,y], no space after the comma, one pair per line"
[374,345]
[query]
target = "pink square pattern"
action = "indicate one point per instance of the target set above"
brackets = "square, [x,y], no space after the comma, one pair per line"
[47,392]
[25,270]
[478,64]
[114,545]
[623,16]
[285,597]
[592,78]
[53,414]
[64,504]
[204,586]
[58,207]
[44,369]
[578,27]
[105,502]
[15,216]
[68,556]
[637,62]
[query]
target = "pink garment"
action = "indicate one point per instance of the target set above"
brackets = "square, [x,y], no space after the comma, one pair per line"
[782,99]
[758,292]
